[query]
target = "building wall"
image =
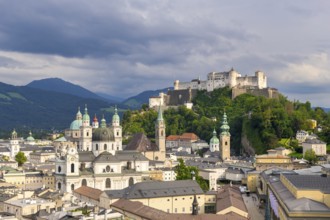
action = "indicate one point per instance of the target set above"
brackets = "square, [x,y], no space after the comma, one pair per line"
[177,204]
[252,180]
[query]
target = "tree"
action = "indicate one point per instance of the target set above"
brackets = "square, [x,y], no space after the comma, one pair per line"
[20,158]
[184,172]
[310,156]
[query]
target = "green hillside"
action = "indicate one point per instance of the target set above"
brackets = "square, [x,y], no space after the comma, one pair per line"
[259,121]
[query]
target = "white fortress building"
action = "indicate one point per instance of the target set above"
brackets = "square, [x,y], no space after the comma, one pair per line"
[222,79]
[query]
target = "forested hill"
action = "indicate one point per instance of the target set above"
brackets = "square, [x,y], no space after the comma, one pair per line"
[263,121]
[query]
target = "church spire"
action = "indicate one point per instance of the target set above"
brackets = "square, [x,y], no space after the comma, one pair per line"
[103,122]
[224,127]
[160,113]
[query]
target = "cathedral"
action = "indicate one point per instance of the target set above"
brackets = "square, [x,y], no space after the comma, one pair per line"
[96,157]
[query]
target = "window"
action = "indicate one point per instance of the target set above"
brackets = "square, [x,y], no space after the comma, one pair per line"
[84,182]
[72,168]
[226,143]
[130,181]
[105,147]
[59,185]
[183,209]
[72,187]
[107,168]
[107,183]
[96,147]
[87,134]
[59,169]
[175,210]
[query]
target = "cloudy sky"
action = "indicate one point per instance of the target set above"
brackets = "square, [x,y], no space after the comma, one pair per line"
[125,47]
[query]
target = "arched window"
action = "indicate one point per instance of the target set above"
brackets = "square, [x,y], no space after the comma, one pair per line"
[162,133]
[59,169]
[72,187]
[105,146]
[87,134]
[96,147]
[226,143]
[130,181]
[72,168]
[84,182]
[59,186]
[117,133]
[107,183]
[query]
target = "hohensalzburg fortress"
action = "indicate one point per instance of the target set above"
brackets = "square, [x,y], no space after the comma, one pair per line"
[221,79]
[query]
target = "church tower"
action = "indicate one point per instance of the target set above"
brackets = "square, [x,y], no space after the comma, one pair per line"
[14,144]
[160,135]
[95,123]
[214,142]
[86,132]
[225,139]
[117,130]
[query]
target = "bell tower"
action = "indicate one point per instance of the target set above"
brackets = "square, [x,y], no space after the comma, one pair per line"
[224,139]
[160,134]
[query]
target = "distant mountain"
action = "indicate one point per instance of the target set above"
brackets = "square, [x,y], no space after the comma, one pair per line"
[137,101]
[59,85]
[110,97]
[24,107]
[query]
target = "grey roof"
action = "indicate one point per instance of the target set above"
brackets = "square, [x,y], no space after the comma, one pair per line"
[130,155]
[29,148]
[158,189]
[234,171]
[293,204]
[105,157]
[140,142]
[86,156]
[310,182]
[103,134]
[4,149]
[314,141]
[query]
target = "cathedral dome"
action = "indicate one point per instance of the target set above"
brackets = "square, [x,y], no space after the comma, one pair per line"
[30,138]
[103,135]
[75,125]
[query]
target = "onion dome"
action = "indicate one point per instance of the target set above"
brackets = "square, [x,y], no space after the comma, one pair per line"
[224,127]
[86,116]
[103,122]
[78,115]
[115,117]
[214,139]
[95,118]
[103,135]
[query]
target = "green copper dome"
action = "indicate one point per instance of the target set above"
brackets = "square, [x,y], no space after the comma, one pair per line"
[30,138]
[86,116]
[214,139]
[103,122]
[75,125]
[115,117]
[224,127]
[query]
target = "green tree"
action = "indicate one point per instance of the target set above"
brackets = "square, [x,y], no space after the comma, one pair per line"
[310,156]
[184,172]
[20,158]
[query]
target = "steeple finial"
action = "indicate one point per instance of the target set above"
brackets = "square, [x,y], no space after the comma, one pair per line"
[103,122]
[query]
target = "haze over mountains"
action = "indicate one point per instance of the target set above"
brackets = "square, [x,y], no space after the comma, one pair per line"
[52,104]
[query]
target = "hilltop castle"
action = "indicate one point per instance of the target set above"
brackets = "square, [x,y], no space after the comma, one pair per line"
[184,92]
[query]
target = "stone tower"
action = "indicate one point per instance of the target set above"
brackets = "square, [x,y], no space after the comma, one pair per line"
[225,139]
[160,135]
[117,130]
[14,144]
[86,132]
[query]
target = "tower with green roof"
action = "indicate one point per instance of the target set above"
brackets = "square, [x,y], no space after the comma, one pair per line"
[160,135]
[214,142]
[117,130]
[225,139]
[85,142]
